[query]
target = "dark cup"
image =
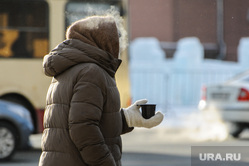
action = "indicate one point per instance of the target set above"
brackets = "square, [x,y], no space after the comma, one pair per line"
[148,110]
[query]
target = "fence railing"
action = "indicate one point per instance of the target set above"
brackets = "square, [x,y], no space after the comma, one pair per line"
[174,87]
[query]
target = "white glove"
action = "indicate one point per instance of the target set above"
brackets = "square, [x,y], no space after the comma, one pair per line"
[134,118]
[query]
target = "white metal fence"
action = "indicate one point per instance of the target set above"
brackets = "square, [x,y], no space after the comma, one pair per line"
[178,81]
[178,87]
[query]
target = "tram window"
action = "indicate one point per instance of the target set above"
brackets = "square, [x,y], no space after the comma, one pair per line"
[23,28]
[79,10]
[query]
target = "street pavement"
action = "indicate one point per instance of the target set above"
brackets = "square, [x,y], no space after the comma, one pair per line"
[145,147]
[164,145]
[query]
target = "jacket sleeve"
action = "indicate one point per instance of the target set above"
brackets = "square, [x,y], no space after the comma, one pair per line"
[84,116]
[126,128]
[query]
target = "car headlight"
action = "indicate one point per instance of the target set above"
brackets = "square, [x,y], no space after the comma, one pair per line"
[202,104]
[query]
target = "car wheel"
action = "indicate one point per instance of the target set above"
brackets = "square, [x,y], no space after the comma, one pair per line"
[8,141]
[234,129]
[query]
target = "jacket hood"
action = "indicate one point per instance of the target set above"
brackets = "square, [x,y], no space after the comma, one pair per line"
[98,31]
[72,52]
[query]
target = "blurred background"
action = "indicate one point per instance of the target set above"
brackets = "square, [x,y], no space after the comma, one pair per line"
[188,57]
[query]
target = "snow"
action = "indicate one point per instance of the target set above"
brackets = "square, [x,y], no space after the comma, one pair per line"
[243,52]
[189,53]
[175,84]
[144,49]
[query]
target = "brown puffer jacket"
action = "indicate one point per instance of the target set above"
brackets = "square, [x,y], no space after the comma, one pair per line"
[82,120]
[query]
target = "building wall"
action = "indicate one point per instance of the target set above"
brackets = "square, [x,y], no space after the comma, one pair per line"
[195,18]
[171,20]
[151,18]
[236,24]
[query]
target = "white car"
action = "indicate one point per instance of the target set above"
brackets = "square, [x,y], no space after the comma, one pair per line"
[231,100]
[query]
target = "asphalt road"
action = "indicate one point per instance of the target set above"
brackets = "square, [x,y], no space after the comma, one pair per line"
[31,158]
[157,147]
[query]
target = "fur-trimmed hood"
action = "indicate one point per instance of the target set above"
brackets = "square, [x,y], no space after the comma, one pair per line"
[98,31]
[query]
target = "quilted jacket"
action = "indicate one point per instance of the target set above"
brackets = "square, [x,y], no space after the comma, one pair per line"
[82,120]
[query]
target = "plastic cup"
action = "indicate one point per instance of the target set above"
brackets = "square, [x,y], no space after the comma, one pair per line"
[148,110]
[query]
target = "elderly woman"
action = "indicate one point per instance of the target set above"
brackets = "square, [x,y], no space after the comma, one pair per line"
[83,120]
